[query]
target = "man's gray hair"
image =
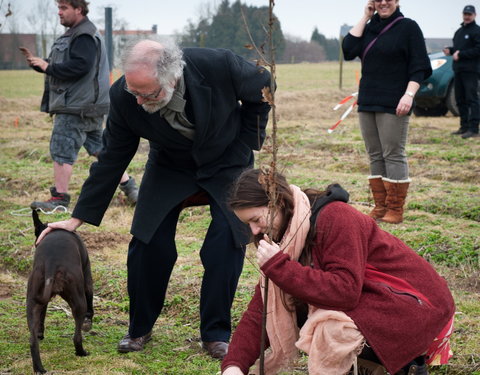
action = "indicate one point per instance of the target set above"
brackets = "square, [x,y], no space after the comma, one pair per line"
[163,58]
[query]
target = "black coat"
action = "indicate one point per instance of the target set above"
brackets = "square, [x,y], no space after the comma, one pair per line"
[397,57]
[224,102]
[467,41]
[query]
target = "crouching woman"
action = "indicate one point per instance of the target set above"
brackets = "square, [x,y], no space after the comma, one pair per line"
[340,287]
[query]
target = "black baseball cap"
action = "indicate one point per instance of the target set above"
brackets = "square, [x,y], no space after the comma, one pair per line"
[469,9]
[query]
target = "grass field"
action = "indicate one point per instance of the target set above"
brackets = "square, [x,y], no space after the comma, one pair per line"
[442,223]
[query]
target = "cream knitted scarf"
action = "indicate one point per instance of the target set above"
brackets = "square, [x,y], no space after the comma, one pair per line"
[282,328]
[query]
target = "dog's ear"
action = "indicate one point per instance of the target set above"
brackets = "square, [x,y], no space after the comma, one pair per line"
[39,226]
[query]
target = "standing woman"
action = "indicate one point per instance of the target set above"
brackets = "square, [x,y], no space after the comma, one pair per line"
[394,63]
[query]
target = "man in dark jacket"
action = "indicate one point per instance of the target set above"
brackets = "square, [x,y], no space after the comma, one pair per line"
[76,92]
[466,65]
[203,114]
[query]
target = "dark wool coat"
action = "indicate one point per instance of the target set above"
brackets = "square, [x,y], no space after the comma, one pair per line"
[467,41]
[399,326]
[397,57]
[224,101]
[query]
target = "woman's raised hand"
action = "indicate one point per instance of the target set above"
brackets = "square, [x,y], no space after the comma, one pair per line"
[266,250]
[370,9]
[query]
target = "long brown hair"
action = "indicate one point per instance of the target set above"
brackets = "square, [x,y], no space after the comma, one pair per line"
[248,192]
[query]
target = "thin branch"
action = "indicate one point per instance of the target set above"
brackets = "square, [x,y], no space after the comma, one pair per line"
[267,179]
[271,183]
[6,15]
[252,41]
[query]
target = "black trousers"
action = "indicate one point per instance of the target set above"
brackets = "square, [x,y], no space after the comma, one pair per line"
[150,266]
[466,95]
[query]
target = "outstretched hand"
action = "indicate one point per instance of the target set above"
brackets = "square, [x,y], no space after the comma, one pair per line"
[266,250]
[38,62]
[34,61]
[70,225]
[26,52]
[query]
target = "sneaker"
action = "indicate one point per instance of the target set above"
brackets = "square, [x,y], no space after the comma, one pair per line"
[458,132]
[470,134]
[127,344]
[130,189]
[57,200]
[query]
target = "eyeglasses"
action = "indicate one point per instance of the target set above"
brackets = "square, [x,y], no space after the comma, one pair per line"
[152,96]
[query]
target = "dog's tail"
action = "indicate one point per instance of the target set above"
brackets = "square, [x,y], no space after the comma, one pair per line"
[49,273]
[39,226]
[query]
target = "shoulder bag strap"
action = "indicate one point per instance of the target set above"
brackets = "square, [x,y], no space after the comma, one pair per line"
[384,30]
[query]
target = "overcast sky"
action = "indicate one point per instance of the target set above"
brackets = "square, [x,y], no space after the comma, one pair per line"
[437,18]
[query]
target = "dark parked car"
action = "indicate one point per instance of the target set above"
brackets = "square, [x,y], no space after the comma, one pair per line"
[436,95]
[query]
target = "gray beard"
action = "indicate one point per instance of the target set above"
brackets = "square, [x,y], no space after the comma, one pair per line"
[153,107]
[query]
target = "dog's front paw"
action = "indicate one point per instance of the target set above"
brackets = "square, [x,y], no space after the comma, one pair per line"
[81,353]
[87,325]
[39,369]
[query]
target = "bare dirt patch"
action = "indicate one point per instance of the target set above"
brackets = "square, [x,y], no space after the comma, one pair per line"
[8,284]
[98,241]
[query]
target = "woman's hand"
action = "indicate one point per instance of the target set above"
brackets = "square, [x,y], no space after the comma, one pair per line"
[70,225]
[232,370]
[266,250]
[369,9]
[404,105]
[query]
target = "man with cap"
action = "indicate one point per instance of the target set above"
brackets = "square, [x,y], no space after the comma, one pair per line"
[466,66]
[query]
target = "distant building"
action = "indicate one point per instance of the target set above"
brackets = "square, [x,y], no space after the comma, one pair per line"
[12,58]
[10,55]
[122,37]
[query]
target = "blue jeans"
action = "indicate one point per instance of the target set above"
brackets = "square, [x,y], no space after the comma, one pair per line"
[385,137]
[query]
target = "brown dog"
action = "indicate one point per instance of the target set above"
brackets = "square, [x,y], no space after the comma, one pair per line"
[60,266]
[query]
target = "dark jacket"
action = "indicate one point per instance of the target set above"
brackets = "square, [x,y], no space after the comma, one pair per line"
[224,101]
[398,325]
[467,41]
[77,82]
[397,57]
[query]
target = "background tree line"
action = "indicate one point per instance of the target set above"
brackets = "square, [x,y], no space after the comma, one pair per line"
[229,26]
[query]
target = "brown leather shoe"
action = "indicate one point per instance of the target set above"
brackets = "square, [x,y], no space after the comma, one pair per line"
[127,344]
[216,349]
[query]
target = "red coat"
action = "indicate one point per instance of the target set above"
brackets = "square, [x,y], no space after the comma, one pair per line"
[399,303]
